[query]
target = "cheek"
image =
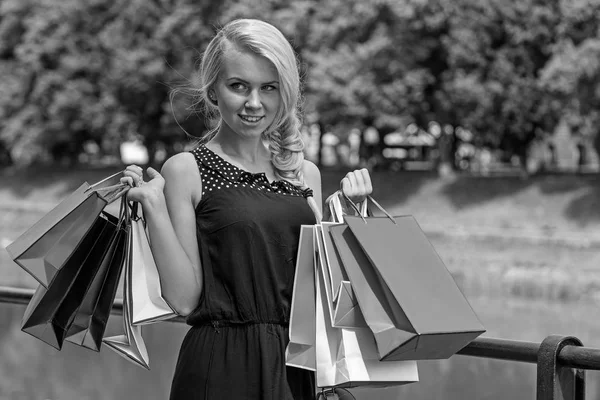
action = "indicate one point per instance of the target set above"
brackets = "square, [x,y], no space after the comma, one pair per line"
[229,99]
[274,103]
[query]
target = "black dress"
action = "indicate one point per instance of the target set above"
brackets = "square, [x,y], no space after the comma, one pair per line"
[248,230]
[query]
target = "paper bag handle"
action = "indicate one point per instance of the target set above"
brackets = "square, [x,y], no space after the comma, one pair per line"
[112,193]
[124,216]
[335,207]
[374,202]
[109,193]
[325,392]
[104,180]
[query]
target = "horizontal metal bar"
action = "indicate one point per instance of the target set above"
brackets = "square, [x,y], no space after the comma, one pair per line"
[516,350]
[485,347]
[502,349]
[13,295]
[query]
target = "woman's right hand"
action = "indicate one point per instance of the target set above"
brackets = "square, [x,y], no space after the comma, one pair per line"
[147,193]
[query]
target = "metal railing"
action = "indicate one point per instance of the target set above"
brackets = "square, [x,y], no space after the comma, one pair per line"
[561,360]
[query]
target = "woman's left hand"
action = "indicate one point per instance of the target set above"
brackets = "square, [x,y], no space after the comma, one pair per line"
[357,185]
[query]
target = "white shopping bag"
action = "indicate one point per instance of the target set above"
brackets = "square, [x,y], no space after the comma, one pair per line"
[300,352]
[341,301]
[348,357]
[147,304]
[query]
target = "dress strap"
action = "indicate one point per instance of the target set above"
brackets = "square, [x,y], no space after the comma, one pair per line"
[200,157]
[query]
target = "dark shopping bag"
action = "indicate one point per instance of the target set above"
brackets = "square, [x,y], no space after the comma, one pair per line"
[52,310]
[45,247]
[405,292]
[89,323]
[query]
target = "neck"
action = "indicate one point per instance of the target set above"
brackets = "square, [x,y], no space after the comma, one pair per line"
[248,151]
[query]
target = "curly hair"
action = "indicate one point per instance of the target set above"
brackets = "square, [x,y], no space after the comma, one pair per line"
[284,137]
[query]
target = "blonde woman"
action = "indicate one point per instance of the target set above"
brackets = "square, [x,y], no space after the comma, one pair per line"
[224,221]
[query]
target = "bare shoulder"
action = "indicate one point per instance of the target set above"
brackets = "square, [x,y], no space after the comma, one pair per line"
[311,171]
[182,175]
[312,178]
[179,163]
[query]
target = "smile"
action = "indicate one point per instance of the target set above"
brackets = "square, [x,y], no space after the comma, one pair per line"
[249,118]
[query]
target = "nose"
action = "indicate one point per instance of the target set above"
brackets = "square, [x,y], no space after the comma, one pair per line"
[253,100]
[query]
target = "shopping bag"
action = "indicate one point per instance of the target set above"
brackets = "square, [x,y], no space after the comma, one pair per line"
[51,310]
[147,303]
[336,203]
[341,301]
[300,351]
[89,324]
[348,357]
[45,247]
[129,345]
[408,297]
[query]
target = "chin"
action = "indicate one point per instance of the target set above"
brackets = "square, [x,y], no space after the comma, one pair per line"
[254,133]
[251,132]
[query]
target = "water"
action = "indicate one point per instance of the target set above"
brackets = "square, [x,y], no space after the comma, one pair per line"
[30,369]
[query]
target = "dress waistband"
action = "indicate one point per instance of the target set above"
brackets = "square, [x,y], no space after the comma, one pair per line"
[229,323]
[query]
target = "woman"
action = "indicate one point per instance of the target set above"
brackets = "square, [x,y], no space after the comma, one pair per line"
[224,221]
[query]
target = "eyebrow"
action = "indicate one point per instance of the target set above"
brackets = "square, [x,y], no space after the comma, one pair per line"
[235,78]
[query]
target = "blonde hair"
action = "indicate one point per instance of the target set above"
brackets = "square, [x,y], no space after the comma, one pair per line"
[284,136]
[285,140]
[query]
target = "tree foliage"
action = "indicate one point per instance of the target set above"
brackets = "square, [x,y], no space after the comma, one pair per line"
[97,71]
[572,74]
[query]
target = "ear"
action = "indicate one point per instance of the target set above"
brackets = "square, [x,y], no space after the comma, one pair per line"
[212,96]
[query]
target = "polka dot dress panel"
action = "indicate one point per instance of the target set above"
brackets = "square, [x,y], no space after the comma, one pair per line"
[219,174]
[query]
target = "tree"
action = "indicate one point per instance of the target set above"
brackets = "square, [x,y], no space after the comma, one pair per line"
[100,71]
[96,71]
[496,52]
[572,75]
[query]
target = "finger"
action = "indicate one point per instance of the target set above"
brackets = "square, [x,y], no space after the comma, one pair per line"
[356,187]
[152,173]
[346,186]
[135,178]
[135,169]
[367,180]
[360,183]
[127,180]
[134,175]
[133,195]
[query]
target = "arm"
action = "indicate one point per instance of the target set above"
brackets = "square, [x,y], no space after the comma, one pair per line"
[356,184]
[312,177]
[171,223]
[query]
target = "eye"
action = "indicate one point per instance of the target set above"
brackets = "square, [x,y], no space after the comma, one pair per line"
[269,88]
[238,86]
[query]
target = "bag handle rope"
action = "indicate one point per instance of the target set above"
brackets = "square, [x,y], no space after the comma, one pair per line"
[109,193]
[355,206]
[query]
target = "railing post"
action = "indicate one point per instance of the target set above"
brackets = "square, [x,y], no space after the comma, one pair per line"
[553,381]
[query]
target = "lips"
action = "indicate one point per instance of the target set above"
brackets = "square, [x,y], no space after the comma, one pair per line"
[250,118]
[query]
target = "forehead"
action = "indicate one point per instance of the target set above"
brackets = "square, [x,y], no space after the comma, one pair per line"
[248,66]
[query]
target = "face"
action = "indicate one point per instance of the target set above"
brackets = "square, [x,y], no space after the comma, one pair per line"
[247,93]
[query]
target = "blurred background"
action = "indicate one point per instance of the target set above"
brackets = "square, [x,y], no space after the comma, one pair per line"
[478,117]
